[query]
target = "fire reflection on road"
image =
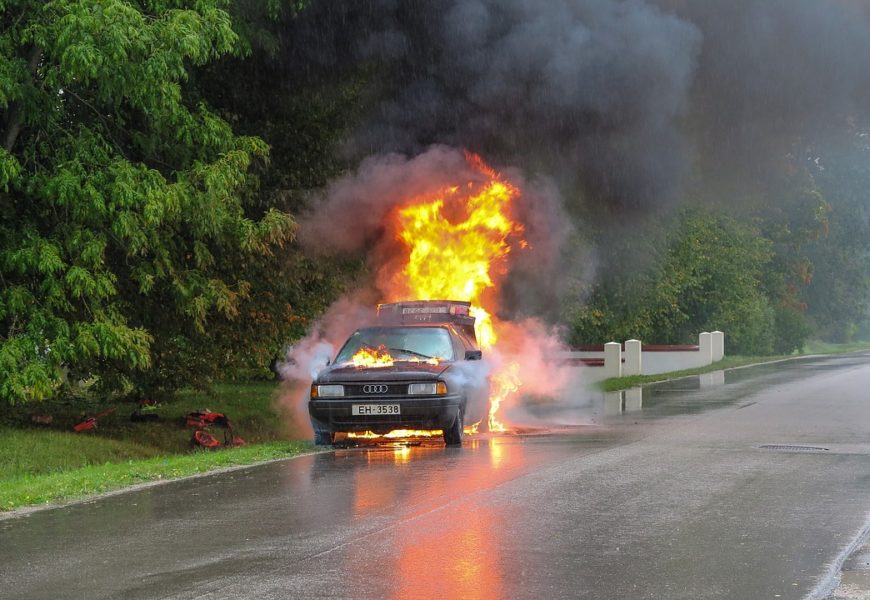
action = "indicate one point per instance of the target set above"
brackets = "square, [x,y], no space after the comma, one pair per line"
[458,559]
[442,546]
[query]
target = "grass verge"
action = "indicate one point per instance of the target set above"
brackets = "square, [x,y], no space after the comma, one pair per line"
[51,464]
[730,362]
[820,347]
[25,489]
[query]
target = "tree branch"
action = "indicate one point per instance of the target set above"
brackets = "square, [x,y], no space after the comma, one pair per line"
[100,117]
[14,118]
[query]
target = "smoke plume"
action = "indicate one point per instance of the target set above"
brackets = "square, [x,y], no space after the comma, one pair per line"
[616,100]
[304,359]
[350,217]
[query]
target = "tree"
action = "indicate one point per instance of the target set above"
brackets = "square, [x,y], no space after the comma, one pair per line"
[717,264]
[709,276]
[838,293]
[121,212]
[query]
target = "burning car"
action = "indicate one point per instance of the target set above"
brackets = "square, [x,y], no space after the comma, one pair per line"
[417,368]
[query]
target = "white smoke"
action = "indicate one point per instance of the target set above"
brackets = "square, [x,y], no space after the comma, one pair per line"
[307,357]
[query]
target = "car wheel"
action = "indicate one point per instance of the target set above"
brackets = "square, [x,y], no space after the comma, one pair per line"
[453,434]
[324,438]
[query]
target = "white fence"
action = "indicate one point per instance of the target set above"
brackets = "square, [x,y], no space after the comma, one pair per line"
[634,358]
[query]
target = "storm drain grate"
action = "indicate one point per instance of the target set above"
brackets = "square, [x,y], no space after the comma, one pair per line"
[792,448]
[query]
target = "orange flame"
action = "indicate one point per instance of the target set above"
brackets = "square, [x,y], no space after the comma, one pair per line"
[372,357]
[380,357]
[505,383]
[458,241]
[405,433]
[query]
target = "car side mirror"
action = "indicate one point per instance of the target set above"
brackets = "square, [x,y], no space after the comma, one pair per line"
[473,355]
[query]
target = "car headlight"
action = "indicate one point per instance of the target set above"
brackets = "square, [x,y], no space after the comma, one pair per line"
[327,391]
[433,388]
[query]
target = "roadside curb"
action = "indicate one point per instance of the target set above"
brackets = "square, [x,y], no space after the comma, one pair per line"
[26,511]
[748,366]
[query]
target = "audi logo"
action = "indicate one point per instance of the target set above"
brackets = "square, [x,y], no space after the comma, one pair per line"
[375,389]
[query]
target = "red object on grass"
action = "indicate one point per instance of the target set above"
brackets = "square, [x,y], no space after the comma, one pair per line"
[91,422]
[203,418]
[86,425]
[194,423]
[206,440]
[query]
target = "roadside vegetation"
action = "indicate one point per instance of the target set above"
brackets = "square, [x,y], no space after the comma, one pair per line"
[50,463]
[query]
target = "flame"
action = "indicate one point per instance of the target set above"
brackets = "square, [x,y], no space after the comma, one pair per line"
[434,360]
[505,383]
[396,433]
[458,241]
[381,357]
[406,433]
[372,357]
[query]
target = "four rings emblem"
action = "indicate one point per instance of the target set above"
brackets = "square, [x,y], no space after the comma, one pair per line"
[375,389]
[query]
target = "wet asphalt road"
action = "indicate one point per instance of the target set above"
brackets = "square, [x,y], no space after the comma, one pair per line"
[668,496]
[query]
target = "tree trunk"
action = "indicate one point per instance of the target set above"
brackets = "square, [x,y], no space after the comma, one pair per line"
[14,118]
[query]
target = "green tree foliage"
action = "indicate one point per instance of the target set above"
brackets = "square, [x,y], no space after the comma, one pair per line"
[795,216]
[709,276]
[121,213]
[839,284]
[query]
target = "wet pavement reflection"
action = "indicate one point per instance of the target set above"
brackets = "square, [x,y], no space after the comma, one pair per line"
[689,395]
[456,554]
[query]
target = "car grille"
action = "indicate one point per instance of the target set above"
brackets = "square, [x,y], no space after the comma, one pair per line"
[376,390]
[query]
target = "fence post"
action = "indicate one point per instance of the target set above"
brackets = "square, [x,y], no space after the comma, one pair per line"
[633,399]
[705,343]
[718,346]
[612,360]
[613,403]
[633,364]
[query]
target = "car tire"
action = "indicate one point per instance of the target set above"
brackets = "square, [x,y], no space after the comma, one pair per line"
[324,438]
[453,434]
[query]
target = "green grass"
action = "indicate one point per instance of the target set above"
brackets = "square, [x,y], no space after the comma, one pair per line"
[248,406]
[820,347]
[38,452]
[730,362]
[48,464]
[27,488]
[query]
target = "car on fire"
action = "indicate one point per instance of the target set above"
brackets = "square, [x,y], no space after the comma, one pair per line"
[417,368]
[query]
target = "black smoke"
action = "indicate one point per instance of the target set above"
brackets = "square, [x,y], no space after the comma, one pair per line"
[618,100]
[588,92]
[774,77]
[615,104]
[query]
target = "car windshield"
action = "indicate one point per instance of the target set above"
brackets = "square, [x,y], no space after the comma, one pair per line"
[403,343]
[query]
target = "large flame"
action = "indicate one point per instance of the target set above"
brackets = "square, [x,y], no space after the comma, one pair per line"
[380,357]
[372,357]
[458,241]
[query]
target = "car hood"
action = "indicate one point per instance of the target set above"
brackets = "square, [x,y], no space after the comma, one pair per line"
[399,371]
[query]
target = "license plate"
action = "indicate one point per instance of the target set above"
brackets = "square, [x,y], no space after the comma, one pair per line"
[374,409]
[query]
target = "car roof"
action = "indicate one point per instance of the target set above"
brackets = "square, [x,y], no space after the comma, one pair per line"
[408,325]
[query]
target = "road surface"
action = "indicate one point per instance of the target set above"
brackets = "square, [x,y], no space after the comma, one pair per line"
[748,485]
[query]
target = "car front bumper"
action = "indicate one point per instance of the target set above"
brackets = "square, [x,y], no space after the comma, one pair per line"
[427,412]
